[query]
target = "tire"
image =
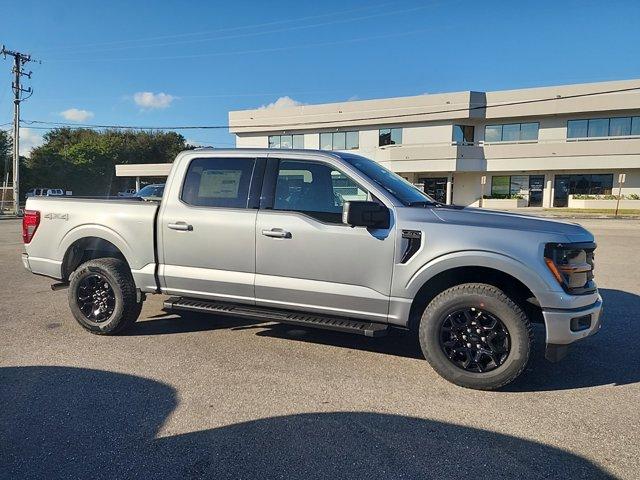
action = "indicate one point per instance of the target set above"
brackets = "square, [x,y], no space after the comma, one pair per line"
[119,307]
[504,350]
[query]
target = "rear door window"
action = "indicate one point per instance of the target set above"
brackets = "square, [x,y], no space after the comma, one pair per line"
[218,182]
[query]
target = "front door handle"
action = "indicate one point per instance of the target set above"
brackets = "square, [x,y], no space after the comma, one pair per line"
[276,233]
[181,226]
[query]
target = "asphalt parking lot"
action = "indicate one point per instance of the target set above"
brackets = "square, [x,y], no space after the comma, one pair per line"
[212,397]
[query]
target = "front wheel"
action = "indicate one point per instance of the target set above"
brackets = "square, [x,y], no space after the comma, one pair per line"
[102,296]
[475,336]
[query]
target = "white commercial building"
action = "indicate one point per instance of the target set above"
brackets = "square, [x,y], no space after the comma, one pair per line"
[535,146]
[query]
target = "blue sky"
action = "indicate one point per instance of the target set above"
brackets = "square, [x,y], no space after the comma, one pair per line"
[191,62]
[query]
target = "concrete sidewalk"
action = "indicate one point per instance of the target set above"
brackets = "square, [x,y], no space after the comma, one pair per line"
[571,213]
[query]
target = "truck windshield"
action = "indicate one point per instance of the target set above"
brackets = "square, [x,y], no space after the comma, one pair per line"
[393,183]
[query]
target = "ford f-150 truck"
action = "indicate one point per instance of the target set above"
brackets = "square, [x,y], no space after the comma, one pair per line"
[329,240]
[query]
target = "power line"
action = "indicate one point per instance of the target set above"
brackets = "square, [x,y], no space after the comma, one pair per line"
[220,30]
[329,122]
[244,52]
[255,33]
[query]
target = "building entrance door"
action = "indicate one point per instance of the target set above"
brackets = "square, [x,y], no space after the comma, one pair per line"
[436,188]
[536,190]
[561,191]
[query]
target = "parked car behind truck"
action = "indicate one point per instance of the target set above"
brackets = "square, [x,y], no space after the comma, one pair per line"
[269,234]
[46,192]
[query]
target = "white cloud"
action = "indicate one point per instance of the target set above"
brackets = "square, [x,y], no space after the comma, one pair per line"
[150,100]
[76,115]
[29,139]
[282,102]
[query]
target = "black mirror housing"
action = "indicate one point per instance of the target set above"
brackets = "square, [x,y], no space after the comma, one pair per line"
[366,214]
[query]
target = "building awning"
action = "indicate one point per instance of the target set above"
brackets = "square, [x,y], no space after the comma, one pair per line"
[143,170]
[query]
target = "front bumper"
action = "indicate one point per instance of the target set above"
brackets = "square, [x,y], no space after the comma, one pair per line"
[567,326]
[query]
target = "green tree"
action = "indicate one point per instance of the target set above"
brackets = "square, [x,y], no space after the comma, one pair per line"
[83,160]
[6,144]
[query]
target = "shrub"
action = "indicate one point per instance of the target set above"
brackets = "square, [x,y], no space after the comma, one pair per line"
[501,197]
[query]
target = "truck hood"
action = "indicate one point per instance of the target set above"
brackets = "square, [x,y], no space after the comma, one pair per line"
[511,221]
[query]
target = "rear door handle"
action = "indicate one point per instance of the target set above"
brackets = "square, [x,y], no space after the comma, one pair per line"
[276,233]
[181,226]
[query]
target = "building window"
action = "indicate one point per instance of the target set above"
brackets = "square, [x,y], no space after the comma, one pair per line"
[463,134]
[286,141]
[598,127]
[512,132]
[509,186]
[588,184]
[577,128]
[529,132]
[339,140]
[619,127]
[353,140]
[493,133]
[598,184]
[389,136]
[603,127]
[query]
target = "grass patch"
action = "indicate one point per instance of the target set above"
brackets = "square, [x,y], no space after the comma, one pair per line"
[602,211]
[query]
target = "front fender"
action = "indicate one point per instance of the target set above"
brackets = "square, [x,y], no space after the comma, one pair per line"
[477,258]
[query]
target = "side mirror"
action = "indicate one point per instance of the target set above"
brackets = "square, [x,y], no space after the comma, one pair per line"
[365,214]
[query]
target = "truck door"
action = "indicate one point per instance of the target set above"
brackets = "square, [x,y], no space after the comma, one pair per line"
[306,258]
[207,229]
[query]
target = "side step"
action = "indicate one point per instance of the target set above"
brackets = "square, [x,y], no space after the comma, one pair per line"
[369,329]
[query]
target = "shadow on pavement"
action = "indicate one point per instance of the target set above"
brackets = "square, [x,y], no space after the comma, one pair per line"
[60,422]
[168,323]
[608,358]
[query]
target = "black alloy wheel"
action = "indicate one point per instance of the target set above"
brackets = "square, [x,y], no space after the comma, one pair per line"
[474,340]
[96,298]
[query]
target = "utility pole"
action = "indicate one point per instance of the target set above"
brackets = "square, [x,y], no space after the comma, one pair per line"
[19,60]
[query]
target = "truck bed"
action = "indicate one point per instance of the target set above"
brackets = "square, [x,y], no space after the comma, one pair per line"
[126,223]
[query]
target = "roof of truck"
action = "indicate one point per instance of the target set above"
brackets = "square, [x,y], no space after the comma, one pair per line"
[271,151]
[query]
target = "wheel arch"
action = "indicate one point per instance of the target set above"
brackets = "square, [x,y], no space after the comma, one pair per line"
[89,248]
[512,286]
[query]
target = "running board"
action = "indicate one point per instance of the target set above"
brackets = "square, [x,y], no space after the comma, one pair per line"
[369,329]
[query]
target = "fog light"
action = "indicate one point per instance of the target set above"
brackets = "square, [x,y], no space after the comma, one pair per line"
[580,323]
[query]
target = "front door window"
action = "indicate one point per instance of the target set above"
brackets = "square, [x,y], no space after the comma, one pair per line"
[315,189]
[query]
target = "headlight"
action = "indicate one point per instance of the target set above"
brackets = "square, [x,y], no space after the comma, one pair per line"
[572,266]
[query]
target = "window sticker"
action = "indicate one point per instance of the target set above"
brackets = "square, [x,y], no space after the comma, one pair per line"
[220,183]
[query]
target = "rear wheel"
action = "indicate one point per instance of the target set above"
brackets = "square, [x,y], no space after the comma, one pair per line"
[475,336]
[102,296]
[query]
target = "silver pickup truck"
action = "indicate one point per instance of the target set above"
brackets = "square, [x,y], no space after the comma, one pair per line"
[329,240]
